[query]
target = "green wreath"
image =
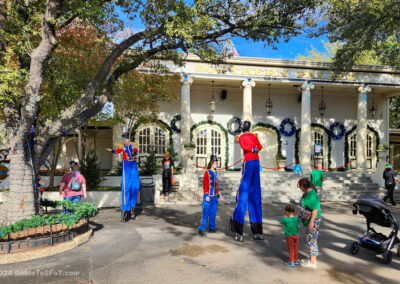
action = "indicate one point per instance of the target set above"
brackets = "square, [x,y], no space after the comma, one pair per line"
[231,122]
[173,123]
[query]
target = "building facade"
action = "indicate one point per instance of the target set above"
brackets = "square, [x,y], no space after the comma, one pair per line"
[214,100]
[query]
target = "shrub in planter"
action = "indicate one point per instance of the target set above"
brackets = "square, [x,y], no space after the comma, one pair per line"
[90,169]
[82,210]
[151,166]
[383,147]
[190,145]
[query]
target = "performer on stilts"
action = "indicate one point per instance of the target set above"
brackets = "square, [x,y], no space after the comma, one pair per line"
[130,177]
[249,192]
[210,198]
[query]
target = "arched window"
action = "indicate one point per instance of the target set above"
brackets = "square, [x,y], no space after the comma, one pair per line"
[151,137]
[209,140]
[371,153]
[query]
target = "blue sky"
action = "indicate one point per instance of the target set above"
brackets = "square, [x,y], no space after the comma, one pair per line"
[289,50]
[248,48]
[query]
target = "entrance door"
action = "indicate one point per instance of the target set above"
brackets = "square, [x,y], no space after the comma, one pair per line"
[371,153]
[319,138]
[209,141]
[268,141]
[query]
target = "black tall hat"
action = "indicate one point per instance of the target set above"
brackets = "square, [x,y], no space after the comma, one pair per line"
[246,126]
[213,158]
[125,135]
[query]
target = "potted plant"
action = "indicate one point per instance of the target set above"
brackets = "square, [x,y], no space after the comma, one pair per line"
[190,145]
[382,151]
[281,161]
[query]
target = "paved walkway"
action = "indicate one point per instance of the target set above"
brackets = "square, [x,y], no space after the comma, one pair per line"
[162,246]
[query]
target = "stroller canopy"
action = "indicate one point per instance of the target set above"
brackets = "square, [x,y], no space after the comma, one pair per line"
[372,200]
[375,210]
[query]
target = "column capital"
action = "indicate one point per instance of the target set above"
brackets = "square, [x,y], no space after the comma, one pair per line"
[307,85]
[364,89]
[186,79]
[249,82]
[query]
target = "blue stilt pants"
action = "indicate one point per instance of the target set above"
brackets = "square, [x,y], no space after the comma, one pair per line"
[249,193]
[210,209]
[129,185]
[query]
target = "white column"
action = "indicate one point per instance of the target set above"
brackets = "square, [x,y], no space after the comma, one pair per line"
[362,127]
[247,99]
[185,115]
[387,121]
[305,138]
[116,139]
[79,145]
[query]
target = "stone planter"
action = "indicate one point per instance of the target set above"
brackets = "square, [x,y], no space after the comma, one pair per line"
[382,154]
[281,164]
[188,159]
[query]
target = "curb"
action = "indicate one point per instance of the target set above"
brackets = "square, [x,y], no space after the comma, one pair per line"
[47,251]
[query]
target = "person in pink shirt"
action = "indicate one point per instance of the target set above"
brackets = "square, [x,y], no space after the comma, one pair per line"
[73,185]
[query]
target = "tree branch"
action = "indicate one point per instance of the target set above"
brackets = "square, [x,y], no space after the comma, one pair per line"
[3,23]
[81,104]
[39,59]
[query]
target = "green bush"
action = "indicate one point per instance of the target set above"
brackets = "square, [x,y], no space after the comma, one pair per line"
[90,169]
[151,166]
[81,210]
[48,203]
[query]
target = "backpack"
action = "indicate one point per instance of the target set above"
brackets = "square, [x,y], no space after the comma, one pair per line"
[75,185]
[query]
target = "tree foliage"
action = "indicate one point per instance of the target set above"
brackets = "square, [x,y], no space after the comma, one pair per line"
[366,57]
[363,26]
[35,42]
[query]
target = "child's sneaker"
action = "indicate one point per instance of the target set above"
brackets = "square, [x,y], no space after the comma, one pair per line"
[304,260]
[297,262]
[290,264]
[309,265]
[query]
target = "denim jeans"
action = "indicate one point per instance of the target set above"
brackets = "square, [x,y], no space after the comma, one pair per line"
[74,199]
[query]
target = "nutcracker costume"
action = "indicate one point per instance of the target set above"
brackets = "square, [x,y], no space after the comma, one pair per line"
[210,208]
[130,178]
[249,192]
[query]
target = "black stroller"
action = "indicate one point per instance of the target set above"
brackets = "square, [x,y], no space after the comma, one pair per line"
[376,211]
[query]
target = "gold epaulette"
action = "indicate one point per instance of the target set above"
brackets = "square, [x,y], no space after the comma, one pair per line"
[133,145]
[120,145]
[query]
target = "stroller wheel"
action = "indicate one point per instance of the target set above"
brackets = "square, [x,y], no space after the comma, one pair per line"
[387,257]
[354,247]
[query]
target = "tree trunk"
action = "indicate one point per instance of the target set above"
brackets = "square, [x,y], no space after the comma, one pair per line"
[84,140]
[54,161]
[20,202]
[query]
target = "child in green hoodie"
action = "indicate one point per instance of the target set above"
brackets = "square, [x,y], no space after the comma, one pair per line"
[291,223]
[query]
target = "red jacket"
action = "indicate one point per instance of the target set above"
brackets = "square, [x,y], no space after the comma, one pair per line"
[210,183]
[249,143]
[129,151]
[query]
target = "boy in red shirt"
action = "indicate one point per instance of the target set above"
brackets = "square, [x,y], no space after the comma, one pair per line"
[210,198]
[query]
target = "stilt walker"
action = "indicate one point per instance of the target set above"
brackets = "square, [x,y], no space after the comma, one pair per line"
[130,177]
[210,198]
[249,192]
